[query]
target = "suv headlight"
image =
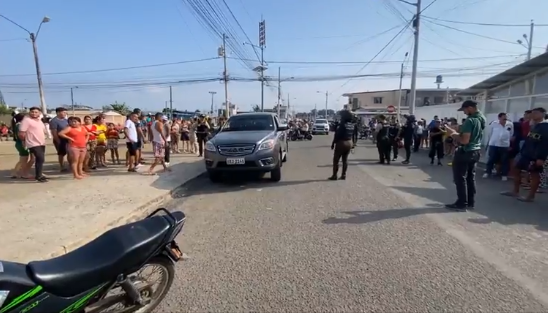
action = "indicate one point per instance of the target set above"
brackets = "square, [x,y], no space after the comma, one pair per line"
[210,147]
[267,145]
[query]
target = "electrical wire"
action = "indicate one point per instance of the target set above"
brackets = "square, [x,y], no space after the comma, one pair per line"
[112,69]
[433,1]
[481,24]
[380,51]
[474,34]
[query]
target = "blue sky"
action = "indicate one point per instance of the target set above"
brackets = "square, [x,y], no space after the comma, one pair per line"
[101,34]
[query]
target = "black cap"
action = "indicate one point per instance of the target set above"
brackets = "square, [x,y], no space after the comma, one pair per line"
[468,104]
[60,109]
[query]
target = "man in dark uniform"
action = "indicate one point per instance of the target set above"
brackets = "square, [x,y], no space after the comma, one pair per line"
[393,134]
[466,156]
[407,132]
[384,145]
[342,143]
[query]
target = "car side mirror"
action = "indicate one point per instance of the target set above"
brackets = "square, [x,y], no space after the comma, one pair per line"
[282,128]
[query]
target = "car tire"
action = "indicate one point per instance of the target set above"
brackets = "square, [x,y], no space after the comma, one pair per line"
[276,174]
[215,177]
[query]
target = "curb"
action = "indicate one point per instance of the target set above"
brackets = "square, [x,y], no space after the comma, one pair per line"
[139,213]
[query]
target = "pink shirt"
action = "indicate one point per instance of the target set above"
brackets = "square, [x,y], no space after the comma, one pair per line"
[34,132]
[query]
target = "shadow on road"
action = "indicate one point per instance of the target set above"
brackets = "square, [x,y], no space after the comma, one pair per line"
[203,186]
[489,203]
[364,217]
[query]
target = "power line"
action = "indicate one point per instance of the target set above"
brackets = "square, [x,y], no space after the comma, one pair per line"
[433,1]
[473,34]
[482,24]
[380,51]
[114,69]
[270,62]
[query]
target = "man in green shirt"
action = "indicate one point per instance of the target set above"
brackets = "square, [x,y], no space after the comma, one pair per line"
[467,155]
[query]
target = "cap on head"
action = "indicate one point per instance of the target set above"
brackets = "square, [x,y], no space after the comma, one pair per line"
[468,104]
[164,118]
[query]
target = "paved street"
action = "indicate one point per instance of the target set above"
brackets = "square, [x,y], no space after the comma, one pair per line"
[375,242]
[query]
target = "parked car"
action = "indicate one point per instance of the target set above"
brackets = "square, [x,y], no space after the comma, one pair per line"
[248,142]
[321,126]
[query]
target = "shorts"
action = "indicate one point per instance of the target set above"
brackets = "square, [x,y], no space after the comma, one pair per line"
[175,138]
[101,143]
[139,145]
[132,148]
[158,149]
[77,151]
[61,147]
[112,144]
[185,137]
[23,152]
[524,163]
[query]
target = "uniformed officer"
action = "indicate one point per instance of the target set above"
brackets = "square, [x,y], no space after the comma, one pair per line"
[384,144]
[393,134]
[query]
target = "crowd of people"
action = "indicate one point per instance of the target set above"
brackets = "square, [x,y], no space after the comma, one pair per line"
[517,149]
[84,146]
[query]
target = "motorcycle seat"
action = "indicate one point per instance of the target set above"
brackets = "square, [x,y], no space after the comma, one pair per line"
[121,250]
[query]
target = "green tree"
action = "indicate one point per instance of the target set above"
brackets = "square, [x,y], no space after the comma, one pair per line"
[5,110]
[121,108]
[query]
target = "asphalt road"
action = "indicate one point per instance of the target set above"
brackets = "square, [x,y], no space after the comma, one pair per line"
[377,242]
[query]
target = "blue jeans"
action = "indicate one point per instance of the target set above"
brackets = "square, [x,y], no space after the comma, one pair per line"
[498,155]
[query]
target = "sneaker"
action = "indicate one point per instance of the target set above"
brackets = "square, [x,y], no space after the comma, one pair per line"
[167,163]
[504,178]
[138,165]
[485,175]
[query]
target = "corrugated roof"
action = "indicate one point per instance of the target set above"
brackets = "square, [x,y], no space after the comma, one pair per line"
[403,90]
[509,75]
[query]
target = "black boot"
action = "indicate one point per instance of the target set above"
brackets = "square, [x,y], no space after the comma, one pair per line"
[335,171]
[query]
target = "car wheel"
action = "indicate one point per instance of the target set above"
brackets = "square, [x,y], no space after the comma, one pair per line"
[276,174]
[215,177]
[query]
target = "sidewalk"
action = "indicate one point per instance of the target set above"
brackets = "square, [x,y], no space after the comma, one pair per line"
[41,220]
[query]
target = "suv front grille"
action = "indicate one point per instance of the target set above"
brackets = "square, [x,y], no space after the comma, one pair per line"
[236,150]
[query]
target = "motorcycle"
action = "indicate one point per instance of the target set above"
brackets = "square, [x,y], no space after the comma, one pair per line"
[82,280]
[299,135]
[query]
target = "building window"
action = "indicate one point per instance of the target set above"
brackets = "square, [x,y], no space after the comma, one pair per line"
[377,100]
[439,100]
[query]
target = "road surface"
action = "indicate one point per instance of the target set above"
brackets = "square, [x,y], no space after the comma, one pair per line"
[378,241]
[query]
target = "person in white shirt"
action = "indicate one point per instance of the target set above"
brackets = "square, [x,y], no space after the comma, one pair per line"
[132,140]
[501,132]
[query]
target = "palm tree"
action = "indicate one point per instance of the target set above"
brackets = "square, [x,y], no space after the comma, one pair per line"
[121,108]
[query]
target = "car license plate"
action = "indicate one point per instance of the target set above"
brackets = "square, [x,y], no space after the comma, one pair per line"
[235,161]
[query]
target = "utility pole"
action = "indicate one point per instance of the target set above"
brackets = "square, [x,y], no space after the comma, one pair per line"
[326,103]
[170,103]
[288,105]
[222,52]
[416,25]
[212,93]
[401,82]
[71,100]
[262,46]
[38,74]
[530,41]
[279,90]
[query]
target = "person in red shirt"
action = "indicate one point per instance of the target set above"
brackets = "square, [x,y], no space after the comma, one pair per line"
[77,136]
[91,145]
[112,142]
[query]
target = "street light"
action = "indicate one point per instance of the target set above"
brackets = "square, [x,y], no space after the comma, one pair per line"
[72,98]
[260,69]
[33,37]
[528,40]
[326,101]
[212,93]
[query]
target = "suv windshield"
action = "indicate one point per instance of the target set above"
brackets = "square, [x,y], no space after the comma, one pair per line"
[249,122]
[321,121]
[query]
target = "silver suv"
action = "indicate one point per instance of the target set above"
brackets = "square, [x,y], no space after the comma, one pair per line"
[248,142]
